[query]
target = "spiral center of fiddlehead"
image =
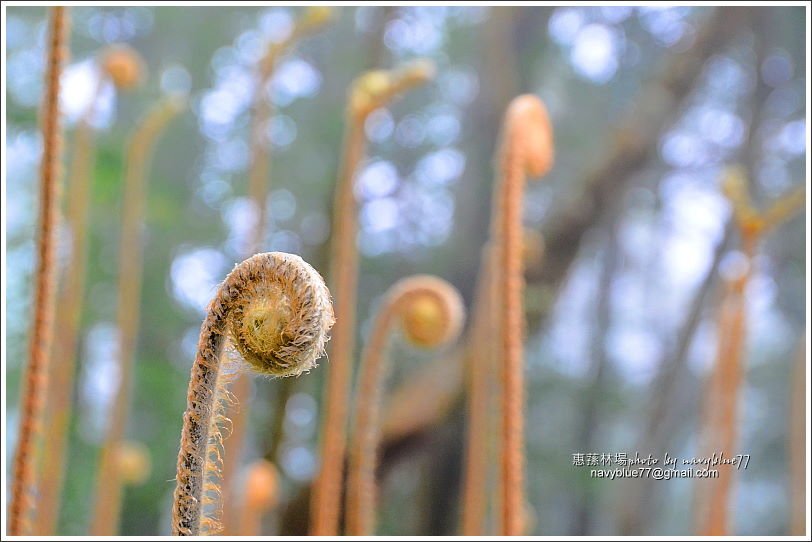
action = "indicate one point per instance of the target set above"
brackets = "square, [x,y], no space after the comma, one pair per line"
[264,320]
[426,321]
[273,326]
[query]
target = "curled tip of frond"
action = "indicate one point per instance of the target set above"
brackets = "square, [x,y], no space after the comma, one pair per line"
[124,66]
[281,318]
[261,485]
[375,88]
[133,462]
[527,125]
[431,308]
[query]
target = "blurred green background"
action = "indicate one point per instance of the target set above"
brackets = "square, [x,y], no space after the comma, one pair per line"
[632,212]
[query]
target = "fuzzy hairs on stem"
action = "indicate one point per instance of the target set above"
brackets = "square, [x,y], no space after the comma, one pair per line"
[276,312]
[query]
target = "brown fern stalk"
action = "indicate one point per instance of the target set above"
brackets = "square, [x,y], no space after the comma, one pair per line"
[261,495]
[35,378]
[108,485]
[479,378]
[369,92]
[720,424]
[312,20]
[722,400]
[68,316]
[123,67]
[274,310]
[494,366]
[483,397]
[432,314]
[526,148]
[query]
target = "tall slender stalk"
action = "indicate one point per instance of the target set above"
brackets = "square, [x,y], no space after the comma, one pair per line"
[275,311]
[722,398]
[25,487]
[369,92]
[483,399]
[432,313]
[719,423]
[68,317]
[527,147]
[108,483]
[123,67]
[312,20]
[479,379]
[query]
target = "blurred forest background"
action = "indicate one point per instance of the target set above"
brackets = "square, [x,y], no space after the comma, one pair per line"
[648,106]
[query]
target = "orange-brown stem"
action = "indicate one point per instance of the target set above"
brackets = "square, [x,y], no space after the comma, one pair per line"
[719,429]
[35,378]
[403,300]
[325,504]
[108,483]
[526,147]
[370,91]
[69,308]
[479,378]
[721,407]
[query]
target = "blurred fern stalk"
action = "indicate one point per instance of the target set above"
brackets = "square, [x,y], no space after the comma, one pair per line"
[368,92]
[120,66]
[25,489]
[139,154]
[313,19]
[720,420]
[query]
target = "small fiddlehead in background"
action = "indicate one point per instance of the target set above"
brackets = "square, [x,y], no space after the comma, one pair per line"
[431,314]
[124,66]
